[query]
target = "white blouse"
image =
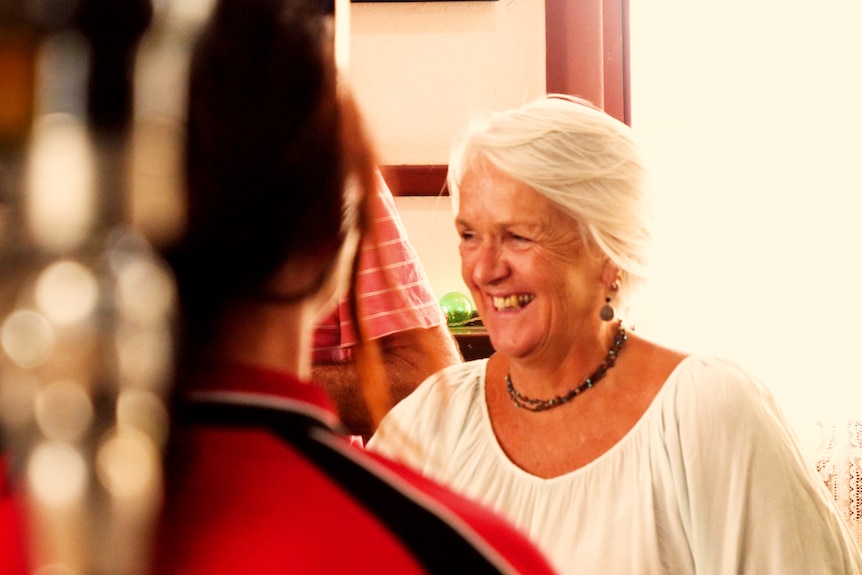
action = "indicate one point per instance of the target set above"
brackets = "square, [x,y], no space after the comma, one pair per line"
[710,480]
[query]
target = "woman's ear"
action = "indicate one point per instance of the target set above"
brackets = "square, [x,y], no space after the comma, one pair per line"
[611,273]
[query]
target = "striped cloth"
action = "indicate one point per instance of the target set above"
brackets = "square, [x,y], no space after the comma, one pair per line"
[393,288]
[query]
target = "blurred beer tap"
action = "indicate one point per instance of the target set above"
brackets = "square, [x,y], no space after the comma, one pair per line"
[90,139]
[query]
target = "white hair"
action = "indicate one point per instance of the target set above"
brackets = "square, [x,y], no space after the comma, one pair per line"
[580,158]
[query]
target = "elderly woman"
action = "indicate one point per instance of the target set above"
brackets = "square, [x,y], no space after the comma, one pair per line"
[615,454]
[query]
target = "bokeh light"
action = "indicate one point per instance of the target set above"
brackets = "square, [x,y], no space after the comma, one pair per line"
[66,292]
[64,410]
[17,397]
[60,187]
[127,463]
[57,474]
[145,291]
[145,411]
[27,338]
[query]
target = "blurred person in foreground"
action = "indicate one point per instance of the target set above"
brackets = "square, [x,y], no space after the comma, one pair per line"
[259,477]
[616,455]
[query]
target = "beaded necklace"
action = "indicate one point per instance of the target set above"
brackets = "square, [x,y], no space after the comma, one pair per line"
[531,404]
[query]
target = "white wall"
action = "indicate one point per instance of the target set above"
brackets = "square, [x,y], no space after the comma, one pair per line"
[431,227]
[751,117]
[420,69]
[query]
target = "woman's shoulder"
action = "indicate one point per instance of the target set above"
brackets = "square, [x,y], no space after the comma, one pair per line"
[711,387]
[691,383]
[694,372]
[712,404]
[713,373]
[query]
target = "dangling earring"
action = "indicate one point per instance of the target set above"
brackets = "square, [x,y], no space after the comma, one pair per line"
[607,312]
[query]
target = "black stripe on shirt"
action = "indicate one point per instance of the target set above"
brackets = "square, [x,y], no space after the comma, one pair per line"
[435,543]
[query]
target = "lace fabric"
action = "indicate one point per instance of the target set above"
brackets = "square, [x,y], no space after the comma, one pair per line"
[838,457]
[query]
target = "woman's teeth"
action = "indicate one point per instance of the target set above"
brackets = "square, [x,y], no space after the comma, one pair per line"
[512,301]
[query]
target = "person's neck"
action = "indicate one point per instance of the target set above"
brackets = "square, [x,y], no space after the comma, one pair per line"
[555,369]
[276,337]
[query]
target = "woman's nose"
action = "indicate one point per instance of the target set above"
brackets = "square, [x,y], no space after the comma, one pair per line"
[486,266]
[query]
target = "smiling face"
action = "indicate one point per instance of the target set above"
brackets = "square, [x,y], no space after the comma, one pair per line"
[537,286]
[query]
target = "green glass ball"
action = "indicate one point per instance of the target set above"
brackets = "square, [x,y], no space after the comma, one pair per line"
[457,307]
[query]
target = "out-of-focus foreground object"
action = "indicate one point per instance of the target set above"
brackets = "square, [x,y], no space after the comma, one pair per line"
[90,113]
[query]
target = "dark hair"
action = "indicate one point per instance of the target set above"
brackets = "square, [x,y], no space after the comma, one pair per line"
[270,146]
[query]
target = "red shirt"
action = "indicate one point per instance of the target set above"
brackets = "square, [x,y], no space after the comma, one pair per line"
[243,499]
[12,548]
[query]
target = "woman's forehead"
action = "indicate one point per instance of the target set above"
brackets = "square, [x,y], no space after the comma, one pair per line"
[492,193]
